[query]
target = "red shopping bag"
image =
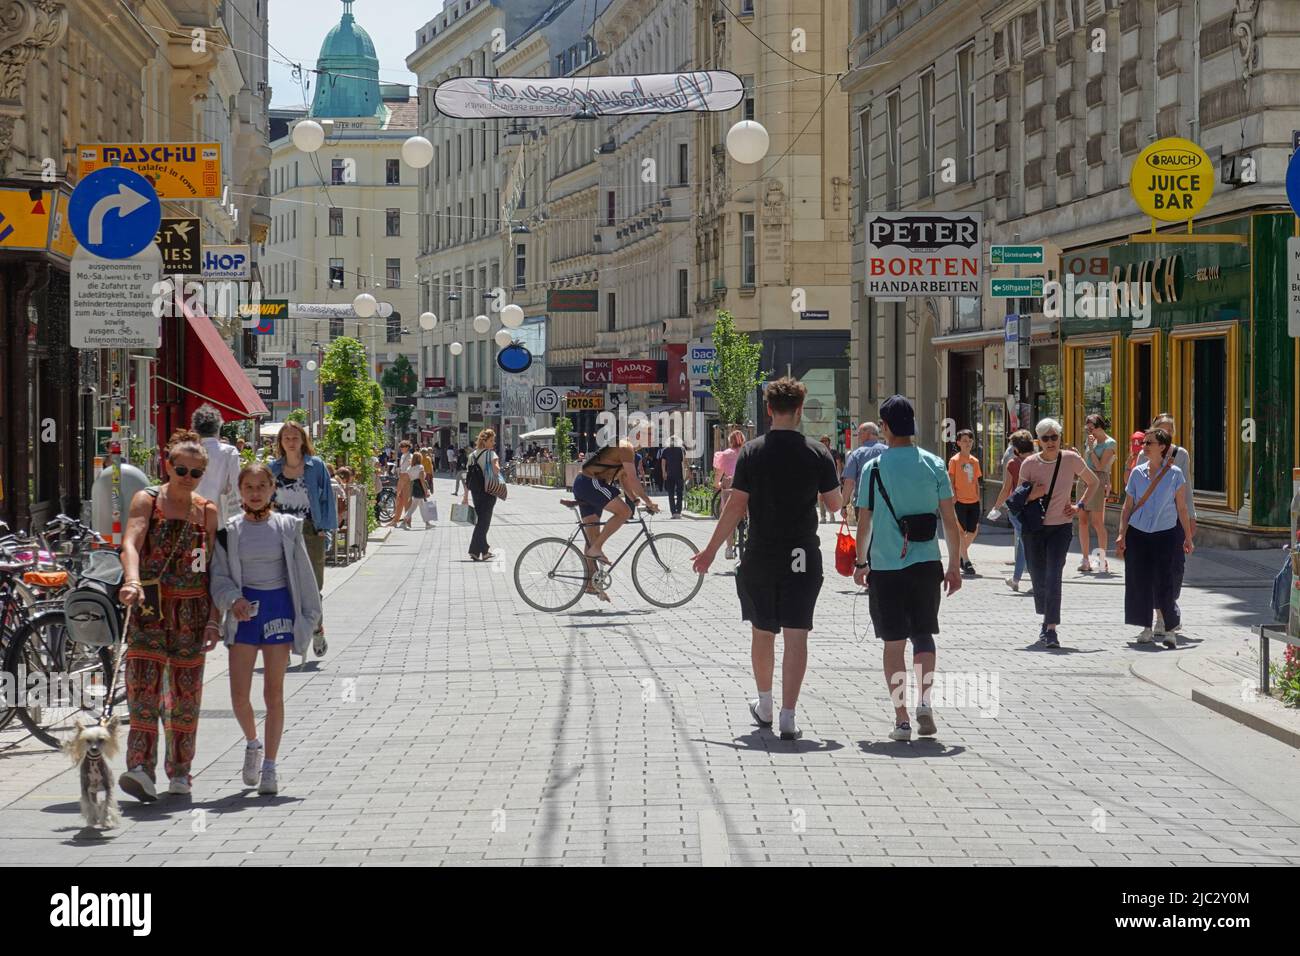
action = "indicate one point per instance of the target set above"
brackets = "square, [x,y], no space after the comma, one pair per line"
[846,550]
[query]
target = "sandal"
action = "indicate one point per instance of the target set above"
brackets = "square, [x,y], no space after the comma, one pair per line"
[599,556]
[592,589]
[1085,568]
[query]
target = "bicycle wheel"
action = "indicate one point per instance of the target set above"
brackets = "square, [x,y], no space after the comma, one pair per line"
[50,695]
[715,507]
[385,503]
[662,573]
[551,574]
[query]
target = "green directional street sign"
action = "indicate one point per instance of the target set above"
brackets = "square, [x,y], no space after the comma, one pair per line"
[1016,255]
[1016,288]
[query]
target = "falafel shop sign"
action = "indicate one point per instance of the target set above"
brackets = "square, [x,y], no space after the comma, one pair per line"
[932,253]
[489,97]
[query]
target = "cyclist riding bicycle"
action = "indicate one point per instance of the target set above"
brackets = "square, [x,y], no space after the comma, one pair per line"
[724,470]
[608,482]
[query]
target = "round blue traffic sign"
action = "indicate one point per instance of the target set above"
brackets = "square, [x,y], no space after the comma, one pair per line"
[514,358]
[114,213]
[1293,182]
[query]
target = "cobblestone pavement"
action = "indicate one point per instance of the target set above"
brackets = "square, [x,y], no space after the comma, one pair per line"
[450,724]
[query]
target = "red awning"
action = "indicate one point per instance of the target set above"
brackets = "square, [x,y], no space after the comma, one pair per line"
[213,374]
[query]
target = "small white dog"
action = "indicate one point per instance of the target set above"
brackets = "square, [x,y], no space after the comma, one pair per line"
[91,748]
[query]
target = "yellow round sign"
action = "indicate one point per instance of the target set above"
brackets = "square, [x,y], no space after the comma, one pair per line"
[1172,179]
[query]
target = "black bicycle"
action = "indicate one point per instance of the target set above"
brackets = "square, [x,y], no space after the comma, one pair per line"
[742,529]
[57,676]
[552,574]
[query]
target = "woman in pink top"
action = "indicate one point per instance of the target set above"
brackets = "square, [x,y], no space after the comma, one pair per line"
[1046,548]
[724,470]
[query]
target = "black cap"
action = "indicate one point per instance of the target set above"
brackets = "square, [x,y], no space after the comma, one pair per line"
[897,413]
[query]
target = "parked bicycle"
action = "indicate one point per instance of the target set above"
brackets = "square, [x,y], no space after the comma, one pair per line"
[386,499]
[552,574]
[61,660]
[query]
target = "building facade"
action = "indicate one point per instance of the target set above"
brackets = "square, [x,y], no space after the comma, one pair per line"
[94,72]
[772,238]
[1033,114]
[344,221]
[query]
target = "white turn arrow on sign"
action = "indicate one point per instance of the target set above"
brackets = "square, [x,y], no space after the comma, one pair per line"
[125,202]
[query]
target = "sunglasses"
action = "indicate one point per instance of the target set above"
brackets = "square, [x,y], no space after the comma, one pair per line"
[1152,442]
[1048,437]
[182,472]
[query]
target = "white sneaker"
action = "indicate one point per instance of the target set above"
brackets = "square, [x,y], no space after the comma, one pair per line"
[252,764]
[902,731]
[179,786]
[1012,583]
[137,783]
[1145,636]
[789,728]
[925,721]
[269,785]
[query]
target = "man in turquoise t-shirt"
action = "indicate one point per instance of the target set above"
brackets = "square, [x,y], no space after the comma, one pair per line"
[904,574]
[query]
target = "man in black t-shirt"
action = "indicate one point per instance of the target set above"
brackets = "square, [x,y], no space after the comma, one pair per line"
[779,479]
[671,457]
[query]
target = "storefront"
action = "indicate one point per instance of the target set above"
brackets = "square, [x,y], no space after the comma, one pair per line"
[821,361]
[1207,342]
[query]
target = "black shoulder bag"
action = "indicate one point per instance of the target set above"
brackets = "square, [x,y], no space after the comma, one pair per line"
[1031,514]
[921,527]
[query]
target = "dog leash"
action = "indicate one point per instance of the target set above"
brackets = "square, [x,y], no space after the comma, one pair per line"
[112,677]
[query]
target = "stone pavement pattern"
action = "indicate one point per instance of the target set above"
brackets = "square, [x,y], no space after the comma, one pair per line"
[452,724]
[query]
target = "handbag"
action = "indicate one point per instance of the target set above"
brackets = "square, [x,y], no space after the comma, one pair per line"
[1031,514]
[464,514]
[920,527]
[477,476]
[846,550]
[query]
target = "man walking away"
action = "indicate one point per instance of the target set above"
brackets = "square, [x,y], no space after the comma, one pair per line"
[898,558]
[219,481]
[780,479]
[671,461]
[965,474]
[869,447]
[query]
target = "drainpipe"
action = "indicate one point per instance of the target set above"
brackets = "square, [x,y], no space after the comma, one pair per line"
[1196,71]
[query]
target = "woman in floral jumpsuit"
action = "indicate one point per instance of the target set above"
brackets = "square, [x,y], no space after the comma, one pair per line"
[168,539]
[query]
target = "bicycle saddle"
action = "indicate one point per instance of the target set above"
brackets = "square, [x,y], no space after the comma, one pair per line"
[568,502]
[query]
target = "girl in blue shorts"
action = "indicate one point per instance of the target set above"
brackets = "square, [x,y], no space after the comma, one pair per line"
[262,579]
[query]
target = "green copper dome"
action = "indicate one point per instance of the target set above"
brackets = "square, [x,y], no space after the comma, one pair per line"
[347,83]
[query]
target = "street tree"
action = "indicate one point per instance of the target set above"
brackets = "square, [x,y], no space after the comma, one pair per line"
[735,369]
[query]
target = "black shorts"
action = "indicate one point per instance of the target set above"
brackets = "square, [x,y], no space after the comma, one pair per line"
[773,595]
[905,603]
[593,495]
[968,515]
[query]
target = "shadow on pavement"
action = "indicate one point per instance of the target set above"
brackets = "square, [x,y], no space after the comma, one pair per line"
[768,742]
[909,749]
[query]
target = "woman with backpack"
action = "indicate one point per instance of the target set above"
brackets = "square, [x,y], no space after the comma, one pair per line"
[263,580]
[173,620]
[482,469]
